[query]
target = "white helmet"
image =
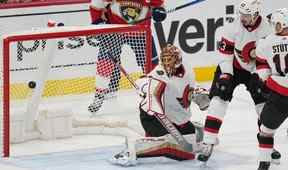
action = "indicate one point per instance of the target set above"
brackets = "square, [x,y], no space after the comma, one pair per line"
[279,19]
[251,7]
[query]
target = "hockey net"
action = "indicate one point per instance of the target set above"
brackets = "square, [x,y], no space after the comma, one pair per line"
[68,78]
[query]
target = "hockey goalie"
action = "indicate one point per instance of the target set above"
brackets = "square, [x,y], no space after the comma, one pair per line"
[165,115]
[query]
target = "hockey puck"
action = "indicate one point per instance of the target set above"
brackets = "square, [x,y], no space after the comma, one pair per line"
[32,84]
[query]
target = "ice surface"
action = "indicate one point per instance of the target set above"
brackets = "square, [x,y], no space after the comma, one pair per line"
[237,149]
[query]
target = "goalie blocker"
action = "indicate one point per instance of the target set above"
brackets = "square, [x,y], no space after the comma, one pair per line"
[165,113]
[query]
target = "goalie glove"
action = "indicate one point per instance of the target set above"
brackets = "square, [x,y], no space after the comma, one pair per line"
[200,96]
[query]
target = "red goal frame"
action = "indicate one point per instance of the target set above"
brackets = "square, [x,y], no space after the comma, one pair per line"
[60,32]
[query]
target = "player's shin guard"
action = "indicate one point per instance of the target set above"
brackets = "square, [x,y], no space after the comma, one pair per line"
[213,122]
[212,126]
[266,144]
[266,140]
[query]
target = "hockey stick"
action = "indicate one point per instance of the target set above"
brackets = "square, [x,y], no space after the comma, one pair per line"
[162,117]
[183,6]
[193,2]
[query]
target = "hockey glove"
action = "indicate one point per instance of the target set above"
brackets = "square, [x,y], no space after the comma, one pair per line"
[256,87]
[159,14]
[225,86]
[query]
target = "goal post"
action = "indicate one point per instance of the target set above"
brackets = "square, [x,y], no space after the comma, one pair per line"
[52,66]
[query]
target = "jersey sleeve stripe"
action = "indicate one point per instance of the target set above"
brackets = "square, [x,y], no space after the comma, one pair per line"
[261,59]
[261,63]
[261,67]
[274,86]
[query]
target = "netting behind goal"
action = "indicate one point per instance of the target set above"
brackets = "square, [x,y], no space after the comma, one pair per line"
[67,68]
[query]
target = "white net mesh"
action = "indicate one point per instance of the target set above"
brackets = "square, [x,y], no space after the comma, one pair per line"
[76,66]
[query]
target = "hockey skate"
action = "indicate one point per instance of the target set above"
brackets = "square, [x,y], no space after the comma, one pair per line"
[206,152]
[263,165]
[275,157]
[124,159]
[97,103]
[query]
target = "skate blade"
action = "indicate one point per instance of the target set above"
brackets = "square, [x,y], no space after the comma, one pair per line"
[126,163]
[275,161]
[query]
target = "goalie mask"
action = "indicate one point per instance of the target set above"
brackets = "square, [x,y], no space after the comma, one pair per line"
[171,59]
[249,11]
[279,20]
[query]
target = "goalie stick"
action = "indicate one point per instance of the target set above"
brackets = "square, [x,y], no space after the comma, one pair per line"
[163,119]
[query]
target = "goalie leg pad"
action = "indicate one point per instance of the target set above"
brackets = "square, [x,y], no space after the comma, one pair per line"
[164,146]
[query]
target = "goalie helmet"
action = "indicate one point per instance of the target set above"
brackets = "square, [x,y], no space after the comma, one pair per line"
[279,20]
[170,58]
[249,11]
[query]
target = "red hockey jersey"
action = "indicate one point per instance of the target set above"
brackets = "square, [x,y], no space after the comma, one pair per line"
[123,11]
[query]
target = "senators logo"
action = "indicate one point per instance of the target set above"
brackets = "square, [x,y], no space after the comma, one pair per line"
[130,11]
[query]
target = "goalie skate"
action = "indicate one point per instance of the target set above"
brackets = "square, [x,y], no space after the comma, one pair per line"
[123,159]
[206,152]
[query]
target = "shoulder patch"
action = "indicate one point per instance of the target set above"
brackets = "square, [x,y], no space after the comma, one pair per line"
[160,72]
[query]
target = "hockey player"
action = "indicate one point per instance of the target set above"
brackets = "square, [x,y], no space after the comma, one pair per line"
[167,90]
[127,11]
[238,50]
[122,12]
[272,81]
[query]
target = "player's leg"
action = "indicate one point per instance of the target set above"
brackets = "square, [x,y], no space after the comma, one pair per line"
[214,118]
[259,101]
[107,72]
[273,115]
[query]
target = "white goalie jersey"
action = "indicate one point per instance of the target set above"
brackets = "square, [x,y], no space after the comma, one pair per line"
[272,62]
[168,95]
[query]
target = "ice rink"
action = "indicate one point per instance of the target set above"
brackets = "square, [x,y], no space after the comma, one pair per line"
[237,149]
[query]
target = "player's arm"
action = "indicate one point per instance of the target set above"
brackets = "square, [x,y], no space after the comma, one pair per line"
[262,67]
[197,94]
[256,85]
[97,10]
[224,80]
[226,48]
